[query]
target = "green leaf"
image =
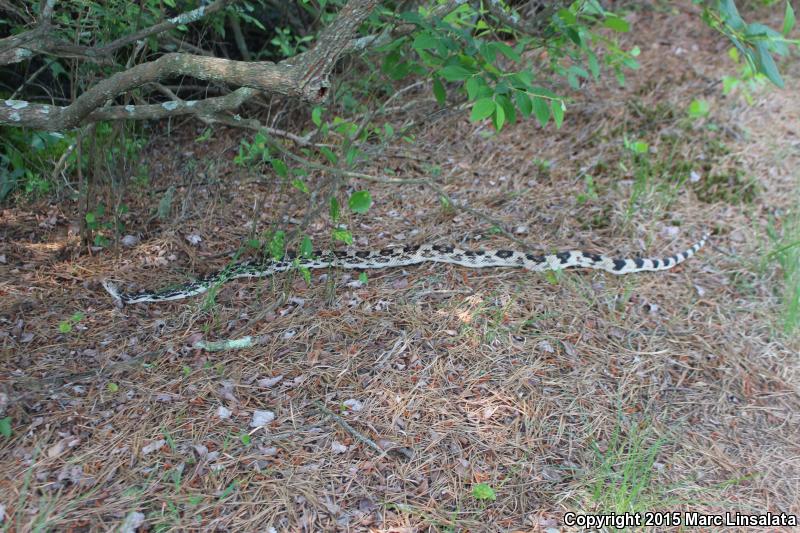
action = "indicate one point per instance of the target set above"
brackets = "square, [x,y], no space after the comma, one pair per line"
[473,85]
[329,155]
[639,147]
[245,438]
[766,64]
[351,155]
[541,110]
[731,14]
[574,36]
[454,73]
[5,427]
[229,490]
[277,245]
[483,491]
[316,116]
[541,91]
[523,103]
[617,24]
[64,327]
[482,108]
[499,116]
[300,185]
[506,50]
[91,218]
[788,19]
[771,38]
[390,61]
[439,92]
[698,109]
[728,84]
[593,64]
[363,278]
[567,16]
[343,235]
[359,202]
[306,273]
[508,108]
[112,387]
[306,247]
[335,210]
[558,112]
[424,41]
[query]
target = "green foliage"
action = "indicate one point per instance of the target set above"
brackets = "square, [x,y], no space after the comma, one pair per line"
[335,210]
[698,109]
[360,202]
[65,326]
[343,235]
[306,247]
[786,254]
[28,158]
[622,481]
[754,41]
[101,224]
[495,77]
[277,245]
[483,491]
[289,43]
[5,427]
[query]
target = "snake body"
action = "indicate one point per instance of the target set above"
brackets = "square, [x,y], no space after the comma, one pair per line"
[406,256]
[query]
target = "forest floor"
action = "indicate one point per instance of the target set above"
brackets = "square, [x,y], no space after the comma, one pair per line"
[576,391]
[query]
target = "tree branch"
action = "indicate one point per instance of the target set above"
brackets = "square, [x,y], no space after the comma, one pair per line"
[305,76]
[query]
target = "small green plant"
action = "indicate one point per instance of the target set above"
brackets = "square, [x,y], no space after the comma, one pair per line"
[787,255]
[483,492]
[591,190]
[65,326]
[289,43]
[104,226]
[638,151]
[27,160]
[698,109]
[622,481]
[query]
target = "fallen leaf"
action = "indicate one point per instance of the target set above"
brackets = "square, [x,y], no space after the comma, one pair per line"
[153,446]
[261,418]
[338,447]
[266,383]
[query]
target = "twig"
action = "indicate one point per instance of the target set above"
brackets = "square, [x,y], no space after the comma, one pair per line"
[229,344]
[350,429]
[238,36]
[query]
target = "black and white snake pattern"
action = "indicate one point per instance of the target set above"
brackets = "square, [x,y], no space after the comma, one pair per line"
[405,256]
